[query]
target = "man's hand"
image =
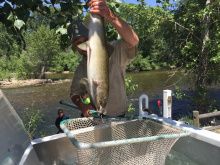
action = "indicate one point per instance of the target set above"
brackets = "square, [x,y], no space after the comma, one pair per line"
[99,7]
[85,108]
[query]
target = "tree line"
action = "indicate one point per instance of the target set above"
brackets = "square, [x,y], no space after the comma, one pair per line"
[184,34]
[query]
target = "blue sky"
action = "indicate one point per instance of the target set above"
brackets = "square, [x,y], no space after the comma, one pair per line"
[149,2]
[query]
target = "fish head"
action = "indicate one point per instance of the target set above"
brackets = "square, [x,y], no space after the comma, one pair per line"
[83,46]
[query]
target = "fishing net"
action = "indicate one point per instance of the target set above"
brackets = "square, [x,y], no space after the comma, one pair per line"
[121,140]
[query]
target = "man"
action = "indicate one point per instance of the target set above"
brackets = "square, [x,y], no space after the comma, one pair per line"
[123,52]
[59,119]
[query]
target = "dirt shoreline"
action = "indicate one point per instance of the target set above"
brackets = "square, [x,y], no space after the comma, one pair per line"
[12,83]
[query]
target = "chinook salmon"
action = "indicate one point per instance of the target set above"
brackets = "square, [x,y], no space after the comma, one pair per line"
[97,61]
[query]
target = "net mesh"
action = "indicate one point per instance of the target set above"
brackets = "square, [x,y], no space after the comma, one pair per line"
[151,152]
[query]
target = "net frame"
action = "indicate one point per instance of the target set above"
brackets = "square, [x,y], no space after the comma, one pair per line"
[102,150]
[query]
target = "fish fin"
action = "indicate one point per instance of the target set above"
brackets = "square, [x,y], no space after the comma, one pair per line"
[95,82]
[87,20]
[84,84]
[83,46]
[88,44]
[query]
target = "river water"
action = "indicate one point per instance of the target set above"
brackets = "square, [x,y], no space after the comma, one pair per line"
[46,97]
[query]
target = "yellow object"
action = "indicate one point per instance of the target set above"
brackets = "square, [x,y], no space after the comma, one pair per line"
[86,101]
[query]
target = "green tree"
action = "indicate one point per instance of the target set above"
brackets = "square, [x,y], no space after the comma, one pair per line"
[6,41]
[198,22]
[66,60]
[9,53]
[42,48]
[140,64]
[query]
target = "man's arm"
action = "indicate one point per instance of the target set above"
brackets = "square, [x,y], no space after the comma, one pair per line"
[83,107]
[100,7]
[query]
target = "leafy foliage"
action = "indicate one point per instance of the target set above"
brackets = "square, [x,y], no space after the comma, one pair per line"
[57,13]
[130,89]
[9,53]
[32,119]
[140,64]
[42,48]
[197,25]
[66,61]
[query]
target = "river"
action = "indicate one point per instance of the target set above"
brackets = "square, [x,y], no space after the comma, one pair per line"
[46,97]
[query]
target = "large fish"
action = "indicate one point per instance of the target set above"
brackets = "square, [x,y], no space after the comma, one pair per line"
[97,61]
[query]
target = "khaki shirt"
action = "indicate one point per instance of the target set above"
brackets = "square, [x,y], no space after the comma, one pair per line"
[119,58]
